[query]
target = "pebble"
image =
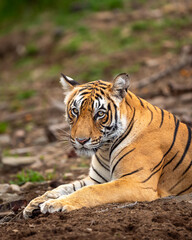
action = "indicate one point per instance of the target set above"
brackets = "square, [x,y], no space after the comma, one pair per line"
[15,188]
[4,188]
[9,197]
[5,140]
[9,188]
[18,161]
[69,175]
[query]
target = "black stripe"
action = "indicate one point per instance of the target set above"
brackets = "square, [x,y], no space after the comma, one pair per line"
[154,107]
[73,187]
[84,93]
[84,184]
[140,101]
[151,115]
[186,148]
[170,160]
[117,155]
[190,164]
[176,184]
[98,174]
[128,103]
[129,95]
[95,180]
[119,140]
[161,175]
[175,119]
[174,137]
[152,175]
[184,190]
[105,159]
[138,170]
[162,118]
[82,89]
[102,164]
[115,113]
[104,84]
[113,169]
[81,184]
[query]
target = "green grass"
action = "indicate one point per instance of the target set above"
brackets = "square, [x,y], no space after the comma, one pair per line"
[31,49]
[25,94]
[3,127]
[161,24]
[27,176]
[63,9]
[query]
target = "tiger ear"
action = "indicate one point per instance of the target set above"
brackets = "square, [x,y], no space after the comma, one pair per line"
[67,83]
[120,85]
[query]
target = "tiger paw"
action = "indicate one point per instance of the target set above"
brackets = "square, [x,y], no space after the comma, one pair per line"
[35,203]
[32,206]
[56,205]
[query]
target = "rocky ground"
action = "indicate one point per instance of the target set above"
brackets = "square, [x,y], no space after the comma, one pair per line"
[35,154]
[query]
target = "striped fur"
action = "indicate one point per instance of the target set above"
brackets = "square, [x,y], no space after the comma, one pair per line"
[139,152]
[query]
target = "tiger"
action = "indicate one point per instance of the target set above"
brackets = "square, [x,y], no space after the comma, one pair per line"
[140,152]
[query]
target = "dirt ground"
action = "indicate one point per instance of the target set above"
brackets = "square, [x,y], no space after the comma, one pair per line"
[34,123]
[161,219]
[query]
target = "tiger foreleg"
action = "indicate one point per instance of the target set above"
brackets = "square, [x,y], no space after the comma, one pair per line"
[61,191]
[112,192]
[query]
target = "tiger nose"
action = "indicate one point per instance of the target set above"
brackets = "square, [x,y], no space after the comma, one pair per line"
[82,140]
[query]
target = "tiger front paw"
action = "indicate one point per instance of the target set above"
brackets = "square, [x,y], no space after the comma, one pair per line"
[57,205]
[35,203]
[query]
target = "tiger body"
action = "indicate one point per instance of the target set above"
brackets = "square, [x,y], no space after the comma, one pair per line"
[139,152]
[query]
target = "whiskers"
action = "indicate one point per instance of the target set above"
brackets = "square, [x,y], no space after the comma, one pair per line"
[63,136]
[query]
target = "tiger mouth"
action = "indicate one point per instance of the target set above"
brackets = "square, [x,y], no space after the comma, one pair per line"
[85,151]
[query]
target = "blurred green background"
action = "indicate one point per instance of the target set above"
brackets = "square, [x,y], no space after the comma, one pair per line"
[86,40]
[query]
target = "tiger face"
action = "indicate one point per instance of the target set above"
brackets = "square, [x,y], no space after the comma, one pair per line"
[94,112]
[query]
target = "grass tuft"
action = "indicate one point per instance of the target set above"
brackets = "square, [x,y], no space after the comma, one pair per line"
[27,176]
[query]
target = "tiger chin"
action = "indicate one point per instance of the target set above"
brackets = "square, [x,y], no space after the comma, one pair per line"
[139,151]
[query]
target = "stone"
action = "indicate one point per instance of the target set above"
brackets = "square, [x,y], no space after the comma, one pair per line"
[18,161]
[4,188]
[14,188]
[9,197]
[5,140]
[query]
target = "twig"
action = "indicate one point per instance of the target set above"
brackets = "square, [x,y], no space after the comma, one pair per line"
[157,76]
[20,115]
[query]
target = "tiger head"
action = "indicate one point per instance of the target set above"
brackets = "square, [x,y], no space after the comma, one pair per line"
[94,112]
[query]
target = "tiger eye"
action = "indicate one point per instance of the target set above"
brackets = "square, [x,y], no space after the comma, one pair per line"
[100,113]
[74,110]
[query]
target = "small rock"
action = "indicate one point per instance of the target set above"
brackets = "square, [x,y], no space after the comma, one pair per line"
[19,137]
[69,175]
[14,188]
[89,229]
[37,164]
[81,176]
[8,197]
[18,161]
[27,186]
[9,188]
[151,62]
[40,140]
[4,188]
[50,170]
[5,140]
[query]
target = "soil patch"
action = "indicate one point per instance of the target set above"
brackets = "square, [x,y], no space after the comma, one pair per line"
[161,219]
